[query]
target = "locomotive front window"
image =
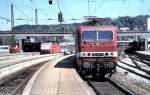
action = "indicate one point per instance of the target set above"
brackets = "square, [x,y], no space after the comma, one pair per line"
[89,36]
[105,35]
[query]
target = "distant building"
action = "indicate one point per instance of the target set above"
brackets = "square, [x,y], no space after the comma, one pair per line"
[124,29]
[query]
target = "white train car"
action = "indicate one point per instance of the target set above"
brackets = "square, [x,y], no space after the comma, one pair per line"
[67,47]
[4,49]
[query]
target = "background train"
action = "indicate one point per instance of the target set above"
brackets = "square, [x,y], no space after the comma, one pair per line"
[96,50]
[135,46]
[49,48]
[67,47]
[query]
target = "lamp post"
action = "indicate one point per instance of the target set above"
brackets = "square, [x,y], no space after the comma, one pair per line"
[12,24]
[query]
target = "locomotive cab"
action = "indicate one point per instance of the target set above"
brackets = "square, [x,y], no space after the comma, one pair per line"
[96,50]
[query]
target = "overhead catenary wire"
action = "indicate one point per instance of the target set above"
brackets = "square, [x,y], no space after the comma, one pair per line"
[100,5]
[123,4]
[58,5]
[60,12]
[6,4]
[8,20]
[5,19]
[141,5]
[44,11]
[6,8]
[20,11]
[39,9]
[140,8]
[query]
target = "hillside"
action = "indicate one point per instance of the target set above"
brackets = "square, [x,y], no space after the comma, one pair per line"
[133,23]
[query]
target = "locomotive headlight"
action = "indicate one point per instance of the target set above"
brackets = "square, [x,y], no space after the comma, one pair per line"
[83,54]
[111,54]
[106,54]
[89,54]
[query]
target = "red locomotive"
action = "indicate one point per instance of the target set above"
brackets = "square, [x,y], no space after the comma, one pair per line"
[96,50]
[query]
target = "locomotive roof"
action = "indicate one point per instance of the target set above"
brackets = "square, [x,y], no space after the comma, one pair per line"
[104,27]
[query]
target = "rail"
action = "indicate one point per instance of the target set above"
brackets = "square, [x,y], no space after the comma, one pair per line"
[133,71]
[119,89]
[6,71]
[7,63]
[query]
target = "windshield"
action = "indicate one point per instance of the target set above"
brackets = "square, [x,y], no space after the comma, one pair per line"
[89,36]
[105,35]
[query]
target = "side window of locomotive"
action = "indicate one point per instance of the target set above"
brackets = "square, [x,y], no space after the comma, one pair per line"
[105,35]
[89,36]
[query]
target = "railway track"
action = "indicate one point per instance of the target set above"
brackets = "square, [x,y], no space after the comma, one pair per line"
[135,69]
[139,59]
[10,57]
[107,86]
[134,74]
[13,57]
[17,84]
[111,87]
[13,83]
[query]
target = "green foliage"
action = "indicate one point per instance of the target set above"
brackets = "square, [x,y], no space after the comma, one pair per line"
[67,28]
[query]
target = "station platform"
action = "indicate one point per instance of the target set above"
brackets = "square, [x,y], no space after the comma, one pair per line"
[144,52]
[58,77]
[144,55]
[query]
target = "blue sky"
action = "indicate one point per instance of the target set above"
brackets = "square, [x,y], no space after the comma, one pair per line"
[77,9]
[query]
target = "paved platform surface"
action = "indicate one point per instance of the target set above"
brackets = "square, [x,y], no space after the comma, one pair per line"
[58,78]
[144,52]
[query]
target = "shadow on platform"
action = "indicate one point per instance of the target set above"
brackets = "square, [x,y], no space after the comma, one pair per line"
[66,63]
